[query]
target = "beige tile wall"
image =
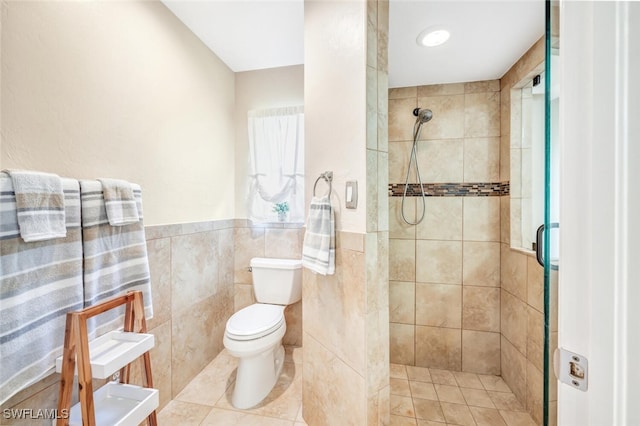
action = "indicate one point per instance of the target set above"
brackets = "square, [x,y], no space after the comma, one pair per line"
[377,237]
[346,357]
[191,307]
[192,288]
[522,329]
[445,272]
[521,277]
[268,240]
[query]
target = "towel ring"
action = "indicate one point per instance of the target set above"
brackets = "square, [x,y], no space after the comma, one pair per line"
[328,177]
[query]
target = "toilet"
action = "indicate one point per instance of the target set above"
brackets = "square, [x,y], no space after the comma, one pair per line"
[254,334]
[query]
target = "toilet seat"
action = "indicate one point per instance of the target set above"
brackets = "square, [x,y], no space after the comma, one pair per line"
[255,321]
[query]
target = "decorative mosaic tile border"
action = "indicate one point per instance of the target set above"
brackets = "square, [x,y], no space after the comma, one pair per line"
[467,189]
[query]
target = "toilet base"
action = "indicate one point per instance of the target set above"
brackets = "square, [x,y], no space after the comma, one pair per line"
[256,376]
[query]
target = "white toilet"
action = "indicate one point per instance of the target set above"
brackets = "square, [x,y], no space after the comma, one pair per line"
[254,334]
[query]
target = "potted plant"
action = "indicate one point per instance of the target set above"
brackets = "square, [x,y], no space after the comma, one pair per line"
[282,209]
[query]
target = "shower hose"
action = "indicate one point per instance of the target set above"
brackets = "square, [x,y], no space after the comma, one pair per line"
[413,158]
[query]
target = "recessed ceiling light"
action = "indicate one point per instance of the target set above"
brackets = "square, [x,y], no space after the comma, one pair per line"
[432,37]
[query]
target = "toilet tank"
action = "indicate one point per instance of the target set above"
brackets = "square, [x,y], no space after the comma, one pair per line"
[277,281]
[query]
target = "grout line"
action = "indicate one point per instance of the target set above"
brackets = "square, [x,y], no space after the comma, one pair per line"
[413,406]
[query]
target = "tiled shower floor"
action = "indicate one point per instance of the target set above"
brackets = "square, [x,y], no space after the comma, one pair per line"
[419,396]
[427,396]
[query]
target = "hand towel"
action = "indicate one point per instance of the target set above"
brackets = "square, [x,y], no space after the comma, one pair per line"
[319,247]
[119,202]
[40,205]
[39,283]
[115,257]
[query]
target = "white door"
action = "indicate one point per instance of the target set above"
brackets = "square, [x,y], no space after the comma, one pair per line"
[599,281]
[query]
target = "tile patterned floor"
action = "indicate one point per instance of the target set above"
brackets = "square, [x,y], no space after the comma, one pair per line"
[427,396]
[206,400]
[419,397]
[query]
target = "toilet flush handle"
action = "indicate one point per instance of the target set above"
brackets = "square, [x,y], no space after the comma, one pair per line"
[249,269]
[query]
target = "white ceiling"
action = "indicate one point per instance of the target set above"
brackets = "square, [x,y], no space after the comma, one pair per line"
[487,37]
[247,34]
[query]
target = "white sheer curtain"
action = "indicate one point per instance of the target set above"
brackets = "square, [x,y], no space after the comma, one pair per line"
[276,157]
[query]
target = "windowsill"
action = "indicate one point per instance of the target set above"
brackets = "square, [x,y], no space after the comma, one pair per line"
[276,224]
[524,251]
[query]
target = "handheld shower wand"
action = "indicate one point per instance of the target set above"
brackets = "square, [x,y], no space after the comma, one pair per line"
[422,116]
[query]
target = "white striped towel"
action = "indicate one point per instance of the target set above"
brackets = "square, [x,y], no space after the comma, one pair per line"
[319,247]
[39,283]
[115,257]
[40,205]
[119,202]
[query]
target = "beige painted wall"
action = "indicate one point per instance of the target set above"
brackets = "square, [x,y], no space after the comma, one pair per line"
[119,89]
[335,103]
[269,88]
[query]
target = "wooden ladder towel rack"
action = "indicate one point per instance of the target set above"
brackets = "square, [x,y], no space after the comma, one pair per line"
[76,347]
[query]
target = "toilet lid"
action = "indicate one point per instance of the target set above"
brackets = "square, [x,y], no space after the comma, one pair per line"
[255,319]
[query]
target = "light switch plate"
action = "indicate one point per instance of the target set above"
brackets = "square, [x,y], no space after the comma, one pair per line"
[351,194]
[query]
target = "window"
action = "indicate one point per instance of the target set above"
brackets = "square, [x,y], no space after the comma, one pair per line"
[528,160]
[276,169]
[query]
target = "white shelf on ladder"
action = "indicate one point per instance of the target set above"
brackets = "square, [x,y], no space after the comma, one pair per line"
[114,404]
[118,404]
[112,351]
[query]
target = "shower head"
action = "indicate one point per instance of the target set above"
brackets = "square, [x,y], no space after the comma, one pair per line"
[423,115]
